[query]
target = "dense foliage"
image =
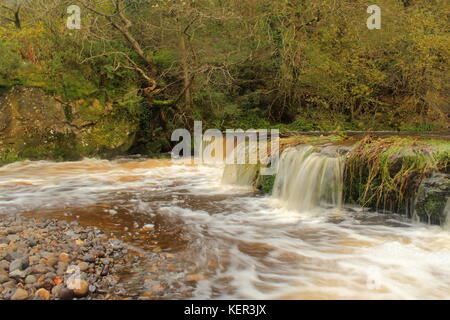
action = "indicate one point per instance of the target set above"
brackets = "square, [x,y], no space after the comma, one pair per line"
[296,65]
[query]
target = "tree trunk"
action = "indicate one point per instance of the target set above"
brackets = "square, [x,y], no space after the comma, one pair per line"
[186,74]
[17,19]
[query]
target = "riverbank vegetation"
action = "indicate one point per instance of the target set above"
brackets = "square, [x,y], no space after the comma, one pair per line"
[297,66]
[386,173]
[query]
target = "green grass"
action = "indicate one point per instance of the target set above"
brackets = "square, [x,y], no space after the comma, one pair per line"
[386,173]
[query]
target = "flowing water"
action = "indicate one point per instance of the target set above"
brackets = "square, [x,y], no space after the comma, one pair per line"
[307,179]
[246,245]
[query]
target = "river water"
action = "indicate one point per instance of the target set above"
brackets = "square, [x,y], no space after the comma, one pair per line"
[245,245]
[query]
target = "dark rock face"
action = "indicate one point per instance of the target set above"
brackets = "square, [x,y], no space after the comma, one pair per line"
[432,198]
[34,125]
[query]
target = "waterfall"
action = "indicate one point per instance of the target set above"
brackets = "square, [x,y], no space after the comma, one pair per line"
[245,173]
[307,179]
[240,174]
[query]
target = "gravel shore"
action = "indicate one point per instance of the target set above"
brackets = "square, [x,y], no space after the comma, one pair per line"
[57,260]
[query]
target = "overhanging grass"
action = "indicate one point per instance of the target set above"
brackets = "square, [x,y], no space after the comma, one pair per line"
[386,173]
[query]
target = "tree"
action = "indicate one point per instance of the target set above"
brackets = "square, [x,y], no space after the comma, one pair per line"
[12,10]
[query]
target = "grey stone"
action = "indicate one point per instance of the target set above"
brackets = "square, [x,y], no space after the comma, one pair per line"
[17,274]
[18,264]
[3,278]
[30,279]
[14,256]
[13,237]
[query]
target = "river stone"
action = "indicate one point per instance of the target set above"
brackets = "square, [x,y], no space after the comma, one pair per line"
[14,256]
[82,289]
[18,264]
[83,266]
[14,230]
[4,265]
[17,274]
[40,268]
[30,279]
[57,289]
[432,201]
[50,275]
[34,259]
[13,237]
[89,258]
[65,294]
[10,284]
[20,294]
[3,278]
[64,257]
[50,262]
[42,294]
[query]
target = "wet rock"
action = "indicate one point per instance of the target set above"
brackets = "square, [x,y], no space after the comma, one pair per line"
[89,258]
[13,237]
[4,265]
[195,277]
[64,257]
[18,264]
[18,274]
[50,262]
[3,278]
[14,256]
[30,279]
[43,266]
[33,243]
[40,268]
[20,294]
[83,266]
[105,271]
[34,259]
[80,287]
[42,294]
[62,265]
[48,284]
[433,199]
[60,271]
[14,230]
[158,288]
[50,275]
[66,294]
[57,289]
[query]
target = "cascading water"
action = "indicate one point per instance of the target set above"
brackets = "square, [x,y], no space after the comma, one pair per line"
[242,175]
[245,246]
[307,179]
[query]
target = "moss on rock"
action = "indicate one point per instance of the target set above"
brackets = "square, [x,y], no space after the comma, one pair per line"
[432,198]
[265,183]
[385,174]
[36,126]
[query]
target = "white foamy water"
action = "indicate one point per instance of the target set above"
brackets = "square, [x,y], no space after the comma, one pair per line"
[262,249]
[307,179]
